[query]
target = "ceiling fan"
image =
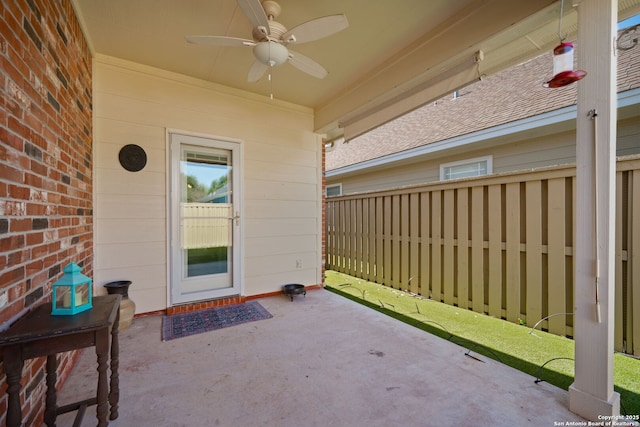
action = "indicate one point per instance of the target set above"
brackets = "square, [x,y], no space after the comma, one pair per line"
[270,39]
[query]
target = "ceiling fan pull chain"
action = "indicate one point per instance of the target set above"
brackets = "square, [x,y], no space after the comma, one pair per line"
[270,84]
[271,63]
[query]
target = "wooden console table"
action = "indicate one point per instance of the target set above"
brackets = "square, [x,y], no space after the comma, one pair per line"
[40,334]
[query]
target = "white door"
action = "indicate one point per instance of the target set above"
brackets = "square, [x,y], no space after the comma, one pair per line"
[204,218]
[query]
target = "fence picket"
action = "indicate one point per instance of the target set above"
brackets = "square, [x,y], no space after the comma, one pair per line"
[448,283]
[371,235]
[395,242]
[477,249]
[364,239]
[462,248]
[425,245]
[414,250]
[405,257]
[436,245]
[379,276]
[358,223]
[339,233]
[388,235]
[533,201]
[495,250]
[556,256]
[512,247]
[351,244]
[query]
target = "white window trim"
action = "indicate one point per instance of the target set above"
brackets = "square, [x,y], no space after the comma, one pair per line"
[488,159]
[339,185]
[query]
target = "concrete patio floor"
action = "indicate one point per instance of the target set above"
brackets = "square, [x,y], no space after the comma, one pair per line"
[322,360]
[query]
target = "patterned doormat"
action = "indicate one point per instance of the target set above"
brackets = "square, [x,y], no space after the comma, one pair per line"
[197,322]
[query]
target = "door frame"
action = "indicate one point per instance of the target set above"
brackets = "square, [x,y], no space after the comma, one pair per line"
[237,165]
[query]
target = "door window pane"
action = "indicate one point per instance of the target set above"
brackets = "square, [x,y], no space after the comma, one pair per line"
[206,213]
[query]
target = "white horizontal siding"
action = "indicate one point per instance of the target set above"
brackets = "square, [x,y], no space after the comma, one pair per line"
[129,206]
[125,230]
[629,137]
[281,177]
[279,245]
[122,182]
[145,277]
[280,190]
[261,169]
[262,282]
[534,153]
[144,283]
[284,209]
[271,227]
[400,176]
[131,254]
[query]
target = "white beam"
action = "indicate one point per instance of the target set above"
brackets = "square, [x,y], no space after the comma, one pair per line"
[591,395]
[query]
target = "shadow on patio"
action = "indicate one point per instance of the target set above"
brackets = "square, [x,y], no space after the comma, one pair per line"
[321,360]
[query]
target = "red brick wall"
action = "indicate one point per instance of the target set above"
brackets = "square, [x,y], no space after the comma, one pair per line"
[46,209]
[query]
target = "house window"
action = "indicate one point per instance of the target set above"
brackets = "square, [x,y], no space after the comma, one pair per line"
[334,190]
[466,168]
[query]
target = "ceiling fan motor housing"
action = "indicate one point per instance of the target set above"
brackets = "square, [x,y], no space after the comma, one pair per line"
[275,32]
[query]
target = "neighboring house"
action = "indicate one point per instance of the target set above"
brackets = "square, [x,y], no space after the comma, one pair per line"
[506,122]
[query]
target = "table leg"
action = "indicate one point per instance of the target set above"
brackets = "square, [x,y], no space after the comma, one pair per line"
[51,404]
[114,389]
[102,353]
[13,364]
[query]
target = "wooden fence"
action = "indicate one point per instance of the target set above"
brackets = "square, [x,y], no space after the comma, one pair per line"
[500,245]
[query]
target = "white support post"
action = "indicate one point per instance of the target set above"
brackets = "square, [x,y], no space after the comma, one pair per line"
[591,395]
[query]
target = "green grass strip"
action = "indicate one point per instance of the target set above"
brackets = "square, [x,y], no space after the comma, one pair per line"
[545,356]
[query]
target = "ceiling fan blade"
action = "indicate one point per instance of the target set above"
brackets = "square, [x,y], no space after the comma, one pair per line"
[220,41]
[257,70]
[316,29]
[255,13]
[307,65]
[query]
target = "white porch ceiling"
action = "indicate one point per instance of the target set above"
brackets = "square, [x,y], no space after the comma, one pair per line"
[389,47]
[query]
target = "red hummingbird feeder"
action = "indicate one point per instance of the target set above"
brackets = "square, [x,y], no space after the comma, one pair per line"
[563,72]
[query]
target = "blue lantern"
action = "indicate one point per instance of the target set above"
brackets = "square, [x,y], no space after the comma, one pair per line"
[72,293]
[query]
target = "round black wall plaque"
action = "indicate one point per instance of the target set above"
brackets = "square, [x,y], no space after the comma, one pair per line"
[132,157]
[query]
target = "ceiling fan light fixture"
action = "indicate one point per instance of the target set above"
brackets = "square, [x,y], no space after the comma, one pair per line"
[271,53]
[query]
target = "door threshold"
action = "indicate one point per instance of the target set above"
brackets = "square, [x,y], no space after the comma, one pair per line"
[203,305]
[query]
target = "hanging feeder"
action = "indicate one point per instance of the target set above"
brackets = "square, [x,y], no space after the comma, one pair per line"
[563,72]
